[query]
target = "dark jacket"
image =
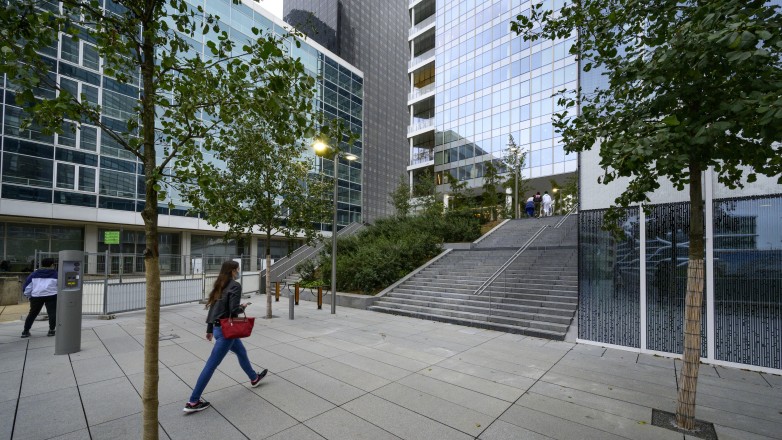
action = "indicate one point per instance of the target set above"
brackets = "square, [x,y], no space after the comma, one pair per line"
[230,301]
[42,282]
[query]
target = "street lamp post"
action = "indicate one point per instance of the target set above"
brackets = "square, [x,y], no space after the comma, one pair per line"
[322,150]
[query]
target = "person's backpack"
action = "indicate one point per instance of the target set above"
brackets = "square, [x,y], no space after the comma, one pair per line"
[538,198]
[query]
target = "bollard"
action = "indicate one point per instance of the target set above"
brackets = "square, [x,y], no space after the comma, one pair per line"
[297,294]
[276,291]
[320,297]
[290,305]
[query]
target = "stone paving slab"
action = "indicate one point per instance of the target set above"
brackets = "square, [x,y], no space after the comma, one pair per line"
[338,424]
[401,421]
[595,417]
[362,375]
[500,430]
[122,428]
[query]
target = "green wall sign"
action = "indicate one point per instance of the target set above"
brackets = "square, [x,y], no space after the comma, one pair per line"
[111,237]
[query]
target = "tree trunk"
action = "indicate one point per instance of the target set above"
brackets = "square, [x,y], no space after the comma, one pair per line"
[149,396]
[268,274]
[688,380]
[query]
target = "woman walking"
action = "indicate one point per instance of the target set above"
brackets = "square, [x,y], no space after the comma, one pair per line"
[223,302]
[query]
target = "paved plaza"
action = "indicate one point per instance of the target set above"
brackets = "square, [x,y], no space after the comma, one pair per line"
[361,375]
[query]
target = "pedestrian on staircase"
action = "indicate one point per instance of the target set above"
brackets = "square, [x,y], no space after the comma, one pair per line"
[547,211]
[530,207]
[538,199]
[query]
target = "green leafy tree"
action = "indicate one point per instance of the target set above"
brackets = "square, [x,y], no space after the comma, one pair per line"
[400,197]
[459,197]
[424,191]
[565,196]
[491,184]
[514,161]
[263,180]
[174,99]
[692,85]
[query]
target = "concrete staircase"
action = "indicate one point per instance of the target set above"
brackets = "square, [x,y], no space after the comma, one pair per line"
[536,294]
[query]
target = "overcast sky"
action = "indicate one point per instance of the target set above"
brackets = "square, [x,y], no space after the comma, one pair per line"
[275,6]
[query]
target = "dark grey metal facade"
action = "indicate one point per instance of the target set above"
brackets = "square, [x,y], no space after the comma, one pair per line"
[371,35]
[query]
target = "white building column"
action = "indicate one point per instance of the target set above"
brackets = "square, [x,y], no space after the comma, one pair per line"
[185,241]
[253,254]
[91,248]
[708,188]
[642,259]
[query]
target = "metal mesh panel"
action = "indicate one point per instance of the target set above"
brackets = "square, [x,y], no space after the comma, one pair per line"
[609,281]
[748,281]
[667,254]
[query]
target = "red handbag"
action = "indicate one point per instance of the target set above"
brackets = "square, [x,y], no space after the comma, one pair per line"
[237,327]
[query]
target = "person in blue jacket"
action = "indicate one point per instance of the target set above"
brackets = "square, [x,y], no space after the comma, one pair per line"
[530,207]
[41,288]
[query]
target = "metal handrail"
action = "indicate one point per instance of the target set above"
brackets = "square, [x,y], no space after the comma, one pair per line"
[420,58]
[510,261]
[562,221]
[428,21]
[429,88]
[286,265]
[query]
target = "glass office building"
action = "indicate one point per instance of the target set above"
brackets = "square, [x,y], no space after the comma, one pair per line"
[62,191]
[371,35]
[474,83]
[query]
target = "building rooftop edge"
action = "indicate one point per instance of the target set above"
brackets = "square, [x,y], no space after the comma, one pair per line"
[280,22]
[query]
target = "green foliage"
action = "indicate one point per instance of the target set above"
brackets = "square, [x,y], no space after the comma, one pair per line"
[391,248]
[307,270]
[424,192]
[491,184]
[460,198]
[514,161]
[400,197]
[694,84]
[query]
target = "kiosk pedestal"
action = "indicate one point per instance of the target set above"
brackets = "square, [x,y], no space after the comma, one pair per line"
[69,296]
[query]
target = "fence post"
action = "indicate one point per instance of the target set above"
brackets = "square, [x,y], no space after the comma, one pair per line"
[106,284]
[203,275]
[121,263]
[290,303]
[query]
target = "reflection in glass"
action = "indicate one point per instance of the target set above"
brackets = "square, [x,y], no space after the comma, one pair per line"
[748,281]
[609,281]
[667,254]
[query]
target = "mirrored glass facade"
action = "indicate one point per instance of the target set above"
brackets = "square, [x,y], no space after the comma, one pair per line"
[487,84]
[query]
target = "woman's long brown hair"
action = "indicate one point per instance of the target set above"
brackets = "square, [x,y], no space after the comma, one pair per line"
[226,275]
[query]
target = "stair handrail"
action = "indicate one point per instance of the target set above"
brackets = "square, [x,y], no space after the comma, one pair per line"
[510,261]
[564,219]
[285,265]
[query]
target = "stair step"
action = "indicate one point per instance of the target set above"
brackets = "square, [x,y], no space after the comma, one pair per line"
[561,316]
[528,331]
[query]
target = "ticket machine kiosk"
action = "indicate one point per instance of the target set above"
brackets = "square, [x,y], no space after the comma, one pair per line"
[69,297]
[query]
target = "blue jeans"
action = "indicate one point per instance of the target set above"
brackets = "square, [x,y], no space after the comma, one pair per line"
[221,348]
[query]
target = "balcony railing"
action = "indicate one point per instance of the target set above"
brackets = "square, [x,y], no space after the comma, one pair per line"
[424,156]
[429,88]
[420,124]
[420,58]
[422,25]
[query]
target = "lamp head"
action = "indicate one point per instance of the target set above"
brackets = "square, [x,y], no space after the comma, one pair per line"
[320,147]
[350,156]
